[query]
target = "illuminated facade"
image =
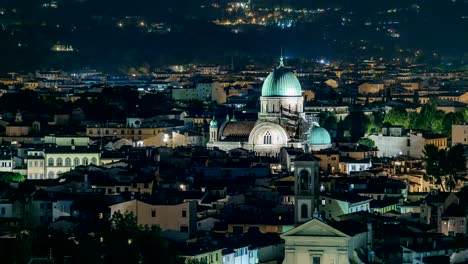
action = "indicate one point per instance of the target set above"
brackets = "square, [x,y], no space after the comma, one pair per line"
[281,121]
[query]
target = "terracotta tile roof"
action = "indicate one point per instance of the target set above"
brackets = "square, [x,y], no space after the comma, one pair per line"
[238,129]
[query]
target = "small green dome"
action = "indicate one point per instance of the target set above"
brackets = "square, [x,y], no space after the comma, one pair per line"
[281,82]
[319,136]
[214,122]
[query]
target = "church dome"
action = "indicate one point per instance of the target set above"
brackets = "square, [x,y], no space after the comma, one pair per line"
[318,136]
[281,82]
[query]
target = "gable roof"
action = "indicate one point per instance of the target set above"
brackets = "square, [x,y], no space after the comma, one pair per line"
[306,157]
[314,228]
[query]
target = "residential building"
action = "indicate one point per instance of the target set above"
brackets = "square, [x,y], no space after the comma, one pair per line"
[411,145]
[6,163]
[329,160]
[334,205]
[47,207]
[453,221]
[350,165]
[202,254]
[370,87]
[240,254]
[178,221]
[203,91]
[460,134]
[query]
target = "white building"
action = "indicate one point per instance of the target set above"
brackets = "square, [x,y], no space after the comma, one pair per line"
[50,162]
[281,121]
[316,242]
[240,255]
[411,144]
[6,163]
[334,205]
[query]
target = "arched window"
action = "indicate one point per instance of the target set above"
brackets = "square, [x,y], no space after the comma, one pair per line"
[85,161]
[94,161]
[304,180]
[304,211]
[51,175]
[59,162]
[76,162]
[68,162]
[50,162]
[267,138]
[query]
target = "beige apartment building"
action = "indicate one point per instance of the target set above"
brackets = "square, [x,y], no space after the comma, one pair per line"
[370,88]
[134,134]
[460,134]
[178,221]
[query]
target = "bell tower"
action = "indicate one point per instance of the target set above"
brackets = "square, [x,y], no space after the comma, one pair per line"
[306,188]
[213,130]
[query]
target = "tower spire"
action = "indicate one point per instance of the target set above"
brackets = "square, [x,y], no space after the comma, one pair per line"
[281,59]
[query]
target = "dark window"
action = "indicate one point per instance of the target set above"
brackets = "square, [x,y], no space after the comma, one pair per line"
[304,180]
[238,230]
[315,260]
[153,213]
[184,229]
[184,213]
[304,213]
[267,138]
[146,185]
[408,142]
[3,211]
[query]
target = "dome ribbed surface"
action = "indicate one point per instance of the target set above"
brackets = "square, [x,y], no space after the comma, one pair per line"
[281,82]
[319,136]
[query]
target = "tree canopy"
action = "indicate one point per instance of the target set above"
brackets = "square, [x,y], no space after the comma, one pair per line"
[429,118]
[441,163]
[11,177]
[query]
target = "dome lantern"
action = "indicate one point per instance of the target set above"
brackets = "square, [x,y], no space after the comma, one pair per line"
[281,83]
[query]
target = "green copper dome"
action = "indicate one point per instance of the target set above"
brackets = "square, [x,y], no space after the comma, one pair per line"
[318,136]
[281,82]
